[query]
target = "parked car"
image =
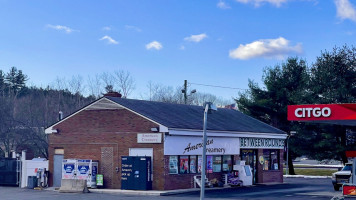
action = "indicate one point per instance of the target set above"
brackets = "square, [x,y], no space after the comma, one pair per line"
[341,177]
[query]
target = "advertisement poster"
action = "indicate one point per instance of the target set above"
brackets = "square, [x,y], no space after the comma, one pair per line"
[209,164]
[200,161]
[173,164]
[217,164]
[193,164]
[83,169]
[183,165]
[68,168]
[94,171]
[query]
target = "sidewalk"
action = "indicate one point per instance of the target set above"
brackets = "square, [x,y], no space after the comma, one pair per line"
[304,176]
[152,192]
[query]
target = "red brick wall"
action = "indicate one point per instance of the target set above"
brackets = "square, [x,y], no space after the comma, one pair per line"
[83,135]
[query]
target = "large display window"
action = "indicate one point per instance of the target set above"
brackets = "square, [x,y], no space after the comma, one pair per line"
[173,164]
[217,163]
[183,164]
[200,162]
[227,164]
[209,164]
[271,159]
[193,164]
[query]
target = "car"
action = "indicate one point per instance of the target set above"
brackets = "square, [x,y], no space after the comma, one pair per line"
[340,177]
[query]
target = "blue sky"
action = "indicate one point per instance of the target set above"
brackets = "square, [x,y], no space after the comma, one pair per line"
[210,42]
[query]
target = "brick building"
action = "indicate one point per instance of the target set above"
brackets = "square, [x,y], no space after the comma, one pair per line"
[171,134]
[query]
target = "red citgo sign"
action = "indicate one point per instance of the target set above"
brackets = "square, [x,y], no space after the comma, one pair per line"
[322,112]
[349,190]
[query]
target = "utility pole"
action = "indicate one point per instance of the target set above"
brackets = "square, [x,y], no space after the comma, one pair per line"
[185,91]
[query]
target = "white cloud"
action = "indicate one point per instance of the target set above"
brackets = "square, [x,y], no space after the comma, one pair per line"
[223,5]
[268,48]
[107,28]
[259,2]
[109,39]
[61,28]
[154,45]
[135,28]
[196,38]
[345,10]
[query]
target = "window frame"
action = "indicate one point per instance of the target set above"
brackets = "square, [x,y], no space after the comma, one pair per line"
[270,164]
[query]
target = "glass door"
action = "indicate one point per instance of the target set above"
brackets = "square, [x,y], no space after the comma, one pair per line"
[250,156]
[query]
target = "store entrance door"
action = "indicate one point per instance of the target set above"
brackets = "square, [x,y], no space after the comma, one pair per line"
[250,156]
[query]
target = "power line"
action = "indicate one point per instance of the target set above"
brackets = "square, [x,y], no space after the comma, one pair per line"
[217,86]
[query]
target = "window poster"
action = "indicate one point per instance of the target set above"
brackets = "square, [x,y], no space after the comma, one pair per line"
[216,163]
[200,161]
[227,163]
[274,159]
[183,165]
[173,164]
[193,164]
[209,164]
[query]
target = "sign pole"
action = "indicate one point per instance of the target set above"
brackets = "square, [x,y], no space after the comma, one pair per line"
[287,167]
[202,184]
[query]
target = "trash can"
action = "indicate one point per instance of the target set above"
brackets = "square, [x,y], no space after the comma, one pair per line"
[31,182]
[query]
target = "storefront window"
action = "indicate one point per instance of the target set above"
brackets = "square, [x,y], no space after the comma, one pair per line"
[266,158]
[183,165]
[193,164]
[216,163]
[209,164]
[200,161]
[173,164]
[227,164]
[274,160]
[271,160]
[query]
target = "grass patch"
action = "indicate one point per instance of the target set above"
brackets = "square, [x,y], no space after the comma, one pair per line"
[313,172]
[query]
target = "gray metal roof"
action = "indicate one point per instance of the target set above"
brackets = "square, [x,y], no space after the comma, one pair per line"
[180,116]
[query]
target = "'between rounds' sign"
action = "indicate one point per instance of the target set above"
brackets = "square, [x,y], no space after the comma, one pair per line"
[149,138]
[322,112]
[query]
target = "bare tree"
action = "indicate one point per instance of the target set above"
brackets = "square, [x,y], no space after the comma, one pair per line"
[75,85]
[124,82]
[108,79]
[77,88]
[95,86]
[159,92]
[59,84]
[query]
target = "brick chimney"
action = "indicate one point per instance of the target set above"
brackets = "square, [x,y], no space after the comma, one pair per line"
[112,94]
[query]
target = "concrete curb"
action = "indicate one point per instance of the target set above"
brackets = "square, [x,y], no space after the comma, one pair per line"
[304,176]
[152,192]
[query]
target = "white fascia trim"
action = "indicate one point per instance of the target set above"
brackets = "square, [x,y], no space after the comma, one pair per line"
[226,134]
[162,128]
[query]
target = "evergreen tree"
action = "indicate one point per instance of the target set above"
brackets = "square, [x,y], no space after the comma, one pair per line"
[286,84]
[333,77]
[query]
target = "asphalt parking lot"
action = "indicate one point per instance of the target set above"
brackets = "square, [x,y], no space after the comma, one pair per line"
[293,188]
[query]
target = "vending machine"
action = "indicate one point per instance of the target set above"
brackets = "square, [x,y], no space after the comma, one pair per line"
[80,169]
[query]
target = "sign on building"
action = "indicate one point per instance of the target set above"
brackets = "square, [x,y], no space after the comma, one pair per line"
[149,138]
[187,145]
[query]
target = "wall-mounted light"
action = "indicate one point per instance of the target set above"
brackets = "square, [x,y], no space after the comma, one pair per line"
[154,129]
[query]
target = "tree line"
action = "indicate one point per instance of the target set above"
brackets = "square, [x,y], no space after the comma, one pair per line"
[25,111]
[330,79]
